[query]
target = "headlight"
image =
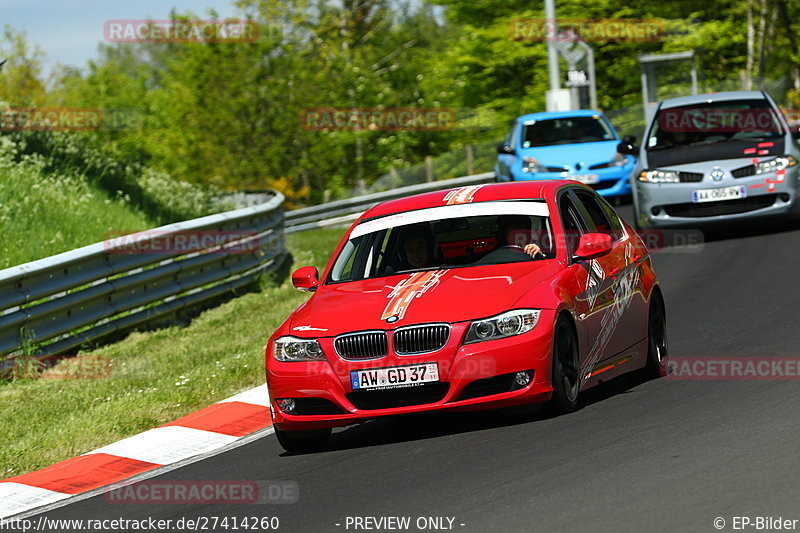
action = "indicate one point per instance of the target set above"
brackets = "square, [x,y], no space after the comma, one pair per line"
[506,325]
[529,164]
[660,176]
[779,163]
[619,160]
[290,349]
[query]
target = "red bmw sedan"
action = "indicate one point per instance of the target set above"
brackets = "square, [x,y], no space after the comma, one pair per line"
[480,297]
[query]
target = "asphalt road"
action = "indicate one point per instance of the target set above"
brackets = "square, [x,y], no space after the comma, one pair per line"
[659,455]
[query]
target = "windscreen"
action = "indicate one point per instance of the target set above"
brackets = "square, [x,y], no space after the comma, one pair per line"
[446,237]
[714,122]
[567,130]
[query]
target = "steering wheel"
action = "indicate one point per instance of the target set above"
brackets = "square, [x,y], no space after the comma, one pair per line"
[515,247]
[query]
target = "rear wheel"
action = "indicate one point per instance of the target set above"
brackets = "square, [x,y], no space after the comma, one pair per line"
[566,375]
[656,365]
[312,440]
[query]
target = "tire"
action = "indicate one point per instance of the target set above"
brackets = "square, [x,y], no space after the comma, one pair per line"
[312,440]
[566,369]
[657,358]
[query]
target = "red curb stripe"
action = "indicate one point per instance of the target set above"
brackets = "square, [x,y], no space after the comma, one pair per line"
[236,419]
[84,473]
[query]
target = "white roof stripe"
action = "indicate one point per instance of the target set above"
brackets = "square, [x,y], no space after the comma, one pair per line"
[451,211]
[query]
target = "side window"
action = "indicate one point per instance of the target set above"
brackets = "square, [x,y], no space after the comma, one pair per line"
[573,227]
[514,136]
[507,140]
[598,216]
[613,218]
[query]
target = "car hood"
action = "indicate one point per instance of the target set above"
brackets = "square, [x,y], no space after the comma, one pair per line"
[710,154]
[447,295]
[585,154]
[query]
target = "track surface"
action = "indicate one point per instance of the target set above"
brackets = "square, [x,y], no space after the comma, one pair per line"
[639,456]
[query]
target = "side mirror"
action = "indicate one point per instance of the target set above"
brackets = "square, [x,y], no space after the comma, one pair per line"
[504,149]
[593,245]
[796,135]
[306,278]
[628,146]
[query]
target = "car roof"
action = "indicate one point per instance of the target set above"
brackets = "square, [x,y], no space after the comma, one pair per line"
[518,190]
[544,115]
[712,97]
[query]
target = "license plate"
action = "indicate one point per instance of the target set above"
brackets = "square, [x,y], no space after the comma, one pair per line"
[585,178]
[394,376]
[714,195]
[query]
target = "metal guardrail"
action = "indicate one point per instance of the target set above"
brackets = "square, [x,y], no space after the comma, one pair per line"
[342,212]
[59,303]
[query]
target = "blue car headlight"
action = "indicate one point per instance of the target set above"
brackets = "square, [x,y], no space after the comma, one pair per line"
[619,160]
[529,164]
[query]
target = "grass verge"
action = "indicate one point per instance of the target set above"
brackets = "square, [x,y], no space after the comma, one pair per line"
[149,378]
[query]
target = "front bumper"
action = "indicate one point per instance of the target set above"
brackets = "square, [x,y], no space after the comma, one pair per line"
[612,181]
[670,204]
[472,376]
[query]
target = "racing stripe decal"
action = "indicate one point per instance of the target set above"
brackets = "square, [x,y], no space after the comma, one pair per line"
[609,366]
[407,290]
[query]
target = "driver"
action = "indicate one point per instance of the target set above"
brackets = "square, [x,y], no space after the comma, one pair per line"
[416,246]
[515,231]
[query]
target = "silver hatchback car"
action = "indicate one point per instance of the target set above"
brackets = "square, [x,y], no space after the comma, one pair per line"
[714,157]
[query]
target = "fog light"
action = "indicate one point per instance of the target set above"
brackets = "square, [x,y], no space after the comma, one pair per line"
[286,405]
[656,210]
[523,378]
[784,197]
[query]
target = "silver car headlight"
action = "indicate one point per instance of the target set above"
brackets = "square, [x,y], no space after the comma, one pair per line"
[504,325]
[529,164]
[660,176]
[291,349]
[779,163]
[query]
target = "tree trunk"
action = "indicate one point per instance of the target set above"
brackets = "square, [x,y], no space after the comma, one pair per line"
[748,78]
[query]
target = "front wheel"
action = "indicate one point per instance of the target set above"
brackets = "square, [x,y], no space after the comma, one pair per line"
[312,440]
[566,375]
[656,365]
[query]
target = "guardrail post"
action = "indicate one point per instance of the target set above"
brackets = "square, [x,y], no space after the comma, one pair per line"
[428,168]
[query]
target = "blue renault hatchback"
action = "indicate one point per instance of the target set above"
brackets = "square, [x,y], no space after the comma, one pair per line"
[579,145]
